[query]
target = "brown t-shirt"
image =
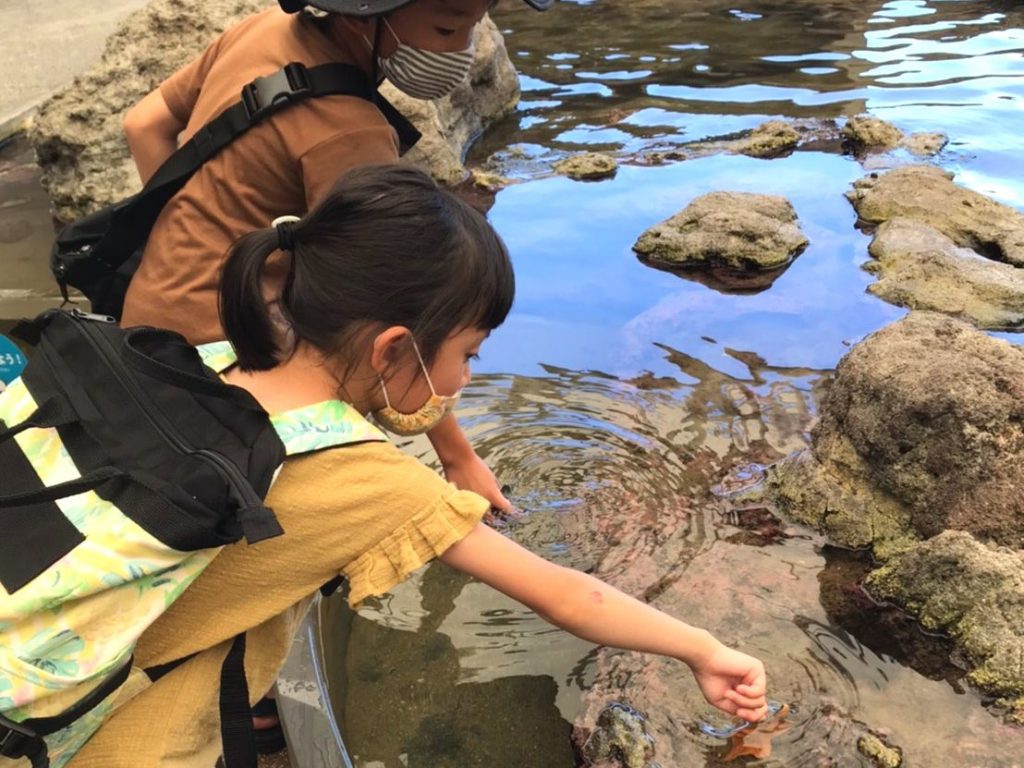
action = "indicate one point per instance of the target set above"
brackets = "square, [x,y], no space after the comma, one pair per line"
[282,166]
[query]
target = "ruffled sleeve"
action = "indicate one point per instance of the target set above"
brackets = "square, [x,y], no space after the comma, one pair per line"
[415,543]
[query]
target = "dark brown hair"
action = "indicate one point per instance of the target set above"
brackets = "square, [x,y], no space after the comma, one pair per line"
[386,245]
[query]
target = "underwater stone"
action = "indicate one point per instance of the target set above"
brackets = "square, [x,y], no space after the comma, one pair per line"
[925,144]
[880,753]
[77,133]
[740,230]
[619,736]
[922,430]
[587,166]
[920,268]
[928,195]
[975,592]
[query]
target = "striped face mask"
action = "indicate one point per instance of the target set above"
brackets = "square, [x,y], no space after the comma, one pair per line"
[424,74]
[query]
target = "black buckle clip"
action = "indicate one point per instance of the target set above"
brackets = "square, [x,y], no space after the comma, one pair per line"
[268,94]
[15,740]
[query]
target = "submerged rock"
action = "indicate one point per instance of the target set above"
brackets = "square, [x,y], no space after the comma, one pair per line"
[922,430]
[587,166]
[880,753]
[920,268]
[619,738]
[77,133]
[739,230]
[863,133]
[956,584]
[928,195]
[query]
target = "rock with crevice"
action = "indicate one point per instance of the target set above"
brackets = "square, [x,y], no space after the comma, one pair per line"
[928,195]
[920,268]
[975,593]
[587,166]
[739,230]
[77,133]
[922,430]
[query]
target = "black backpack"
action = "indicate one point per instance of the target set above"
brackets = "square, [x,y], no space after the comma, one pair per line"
[130,427]
[99,253]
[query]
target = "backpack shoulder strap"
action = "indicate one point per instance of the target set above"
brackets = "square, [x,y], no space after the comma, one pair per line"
[260,99]
[315,427]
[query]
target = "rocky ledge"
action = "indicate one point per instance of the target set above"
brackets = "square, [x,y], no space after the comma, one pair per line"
[81,148]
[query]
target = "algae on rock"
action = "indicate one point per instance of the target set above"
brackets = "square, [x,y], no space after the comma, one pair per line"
[975,592]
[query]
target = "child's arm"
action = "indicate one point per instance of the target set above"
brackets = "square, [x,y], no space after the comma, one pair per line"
[594,611]
[152,133]
[461,464]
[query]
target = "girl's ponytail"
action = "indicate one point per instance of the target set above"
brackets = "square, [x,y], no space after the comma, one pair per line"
[386,246]
[244,312]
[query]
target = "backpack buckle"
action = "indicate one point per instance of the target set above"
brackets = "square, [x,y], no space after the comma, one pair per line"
[17,740]
[265,95]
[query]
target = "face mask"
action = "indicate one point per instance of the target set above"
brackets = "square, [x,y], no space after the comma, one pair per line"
[424,418]
[424,74]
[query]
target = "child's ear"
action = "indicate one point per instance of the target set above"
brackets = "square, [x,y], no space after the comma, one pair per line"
[389,348]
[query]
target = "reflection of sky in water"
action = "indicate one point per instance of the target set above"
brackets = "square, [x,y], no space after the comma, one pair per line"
[585,301]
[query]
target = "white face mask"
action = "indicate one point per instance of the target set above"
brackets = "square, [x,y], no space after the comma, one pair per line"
[424,418]
[424,74]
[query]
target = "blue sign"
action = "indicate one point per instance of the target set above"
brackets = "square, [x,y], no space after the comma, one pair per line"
[12,361]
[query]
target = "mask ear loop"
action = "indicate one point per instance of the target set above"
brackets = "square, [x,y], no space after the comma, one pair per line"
[423,367]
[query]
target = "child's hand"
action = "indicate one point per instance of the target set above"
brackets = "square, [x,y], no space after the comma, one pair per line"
[470,473]
[733,682]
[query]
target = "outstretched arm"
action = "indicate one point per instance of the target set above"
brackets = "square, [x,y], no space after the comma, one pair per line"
[461,464]
[595,611]
[152,133]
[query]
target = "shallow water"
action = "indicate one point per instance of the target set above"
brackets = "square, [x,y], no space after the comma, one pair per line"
[618,400]
[623,397]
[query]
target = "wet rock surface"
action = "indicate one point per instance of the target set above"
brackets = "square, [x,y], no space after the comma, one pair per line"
[928,195]
[920,268]
[77,133]
[921,431]
[974,592]
[587,166]
[737,230]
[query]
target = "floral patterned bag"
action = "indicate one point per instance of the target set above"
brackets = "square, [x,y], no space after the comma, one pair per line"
[126,464]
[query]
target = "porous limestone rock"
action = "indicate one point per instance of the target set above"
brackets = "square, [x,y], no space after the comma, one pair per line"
[975,593]
[770,139]
[921,431]
[587,166]
[740,230]
[80,144]
[880,753]
[928,195]
[863,133]
[920,268]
